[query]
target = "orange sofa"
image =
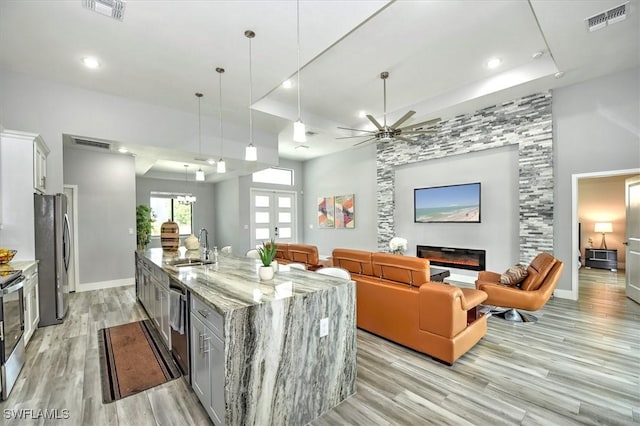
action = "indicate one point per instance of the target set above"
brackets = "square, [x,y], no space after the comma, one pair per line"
[395,300]
[299,253]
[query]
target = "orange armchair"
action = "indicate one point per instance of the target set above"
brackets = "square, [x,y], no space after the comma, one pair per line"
[534,292]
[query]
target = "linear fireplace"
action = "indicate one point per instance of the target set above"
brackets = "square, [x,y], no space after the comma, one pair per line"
[460,258]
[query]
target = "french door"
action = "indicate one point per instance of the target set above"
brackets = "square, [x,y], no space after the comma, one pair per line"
[273,215]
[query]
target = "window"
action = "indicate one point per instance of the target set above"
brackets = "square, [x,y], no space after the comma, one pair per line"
[165,208]
[275,176]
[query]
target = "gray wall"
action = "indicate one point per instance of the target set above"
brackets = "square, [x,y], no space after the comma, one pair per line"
[233,204]
[596,128]
[497,171]
[203,210]
[348,172]
[53,109]
[106,213]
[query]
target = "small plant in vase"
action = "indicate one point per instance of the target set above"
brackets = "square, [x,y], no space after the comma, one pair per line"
[267,253]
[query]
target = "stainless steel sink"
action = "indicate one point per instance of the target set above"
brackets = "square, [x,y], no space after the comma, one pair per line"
[187,262]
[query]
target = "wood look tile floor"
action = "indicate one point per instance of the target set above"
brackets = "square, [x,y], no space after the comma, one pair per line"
[580,364]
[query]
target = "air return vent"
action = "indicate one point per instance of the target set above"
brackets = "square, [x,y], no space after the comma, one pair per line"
[608,17]
[93,144]
[111,8]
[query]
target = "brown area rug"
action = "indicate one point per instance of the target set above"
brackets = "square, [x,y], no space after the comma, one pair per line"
[133,359]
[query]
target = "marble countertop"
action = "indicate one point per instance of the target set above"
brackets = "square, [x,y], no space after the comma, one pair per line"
[233,282]
[23,265]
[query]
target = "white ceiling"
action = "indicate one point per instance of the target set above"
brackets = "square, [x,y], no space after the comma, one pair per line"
[435,52]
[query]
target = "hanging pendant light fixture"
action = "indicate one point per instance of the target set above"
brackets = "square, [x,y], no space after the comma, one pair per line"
[199,172]
[250,152]
[186,198]
[222,167]
[299,131]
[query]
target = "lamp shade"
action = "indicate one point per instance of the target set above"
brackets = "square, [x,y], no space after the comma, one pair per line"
[221,167]
[603,227]
[299,131]
[199,175]
[251,153]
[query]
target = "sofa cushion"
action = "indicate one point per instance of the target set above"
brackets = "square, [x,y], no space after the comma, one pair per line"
[514,275]
[282,251]
[304,253]
[403,269]
[537,271]
[355,261]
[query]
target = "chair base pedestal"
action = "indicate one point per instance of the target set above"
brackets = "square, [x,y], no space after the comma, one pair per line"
[515,316]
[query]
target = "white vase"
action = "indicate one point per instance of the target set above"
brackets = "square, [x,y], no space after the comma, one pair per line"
[274,265]
[265,273]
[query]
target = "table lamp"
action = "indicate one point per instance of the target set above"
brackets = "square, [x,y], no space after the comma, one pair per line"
[603,227]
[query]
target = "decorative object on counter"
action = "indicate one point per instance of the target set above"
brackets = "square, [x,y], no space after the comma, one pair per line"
[6,255]
[226,250]
[132,359]
[169,236]
[144,219]
[215,254]
[267,254]
[191,242]
[398,245]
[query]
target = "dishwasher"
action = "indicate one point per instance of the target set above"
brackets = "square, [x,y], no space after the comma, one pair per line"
[179,322]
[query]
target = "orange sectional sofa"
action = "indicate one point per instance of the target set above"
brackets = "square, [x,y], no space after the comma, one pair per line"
[300,253]
[396,300]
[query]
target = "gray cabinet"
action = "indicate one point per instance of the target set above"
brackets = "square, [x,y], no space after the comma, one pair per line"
[601,258]
[207,359]
[152,290]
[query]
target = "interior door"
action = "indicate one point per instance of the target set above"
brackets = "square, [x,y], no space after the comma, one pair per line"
[632,199]
[273,215]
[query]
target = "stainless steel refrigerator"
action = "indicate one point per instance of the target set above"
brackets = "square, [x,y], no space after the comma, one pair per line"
[53,251]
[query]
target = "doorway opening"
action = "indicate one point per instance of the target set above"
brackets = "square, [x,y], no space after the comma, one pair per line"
[273,215]
[599,232]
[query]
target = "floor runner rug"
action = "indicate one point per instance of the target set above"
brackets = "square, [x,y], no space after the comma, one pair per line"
[133,359]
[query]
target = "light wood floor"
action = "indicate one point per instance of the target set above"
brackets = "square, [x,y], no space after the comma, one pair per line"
[580,364]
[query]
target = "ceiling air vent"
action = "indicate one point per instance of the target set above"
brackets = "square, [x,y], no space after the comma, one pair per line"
[93,144]
[111,8]
[310,133]
[608,17]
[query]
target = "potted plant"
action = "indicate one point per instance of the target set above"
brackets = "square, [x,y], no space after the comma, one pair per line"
[267,253]
[144,218]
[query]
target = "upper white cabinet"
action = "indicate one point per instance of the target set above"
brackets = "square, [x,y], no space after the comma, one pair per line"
[40,153]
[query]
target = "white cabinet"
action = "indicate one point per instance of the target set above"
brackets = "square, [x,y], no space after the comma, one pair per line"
[207,359]
[40,153]
[31,305]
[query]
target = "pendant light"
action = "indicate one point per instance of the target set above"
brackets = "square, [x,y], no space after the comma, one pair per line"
[186,198]
[299,131]
[199,172]
[250,152]
[222,167]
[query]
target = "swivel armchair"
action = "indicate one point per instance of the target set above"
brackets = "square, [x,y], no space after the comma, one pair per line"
[542,277]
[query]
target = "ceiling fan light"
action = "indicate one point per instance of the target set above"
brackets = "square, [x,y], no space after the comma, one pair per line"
[299,131]
[221,167]
[251,153]
[199,175]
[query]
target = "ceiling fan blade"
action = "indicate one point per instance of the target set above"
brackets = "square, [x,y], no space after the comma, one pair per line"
[419,132]
[401,138]
[374,121]
[360,143]
[356,130]
[402,119]
[422,124]
[349,137]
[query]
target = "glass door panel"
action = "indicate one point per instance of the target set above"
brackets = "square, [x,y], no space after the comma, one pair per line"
[272,216]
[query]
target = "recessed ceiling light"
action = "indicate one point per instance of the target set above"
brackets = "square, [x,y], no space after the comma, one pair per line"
[537,55]
[211,161]
[123,150]
[287,84]
[90,62]
[494,63]
[559,74]
[362,114]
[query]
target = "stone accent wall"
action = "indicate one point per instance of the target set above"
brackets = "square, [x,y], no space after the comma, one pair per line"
[526,122]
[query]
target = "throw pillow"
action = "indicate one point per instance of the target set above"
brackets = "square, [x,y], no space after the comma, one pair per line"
[514,275]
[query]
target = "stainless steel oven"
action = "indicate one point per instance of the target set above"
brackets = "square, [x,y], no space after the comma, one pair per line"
[11,331]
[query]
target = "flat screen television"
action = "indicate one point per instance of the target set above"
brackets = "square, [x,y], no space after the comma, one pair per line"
[447,204]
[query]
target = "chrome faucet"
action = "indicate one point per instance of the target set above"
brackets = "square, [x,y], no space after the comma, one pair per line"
[205,250]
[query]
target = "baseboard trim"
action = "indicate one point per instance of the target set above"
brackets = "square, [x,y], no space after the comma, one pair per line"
[565,294]
[105,284]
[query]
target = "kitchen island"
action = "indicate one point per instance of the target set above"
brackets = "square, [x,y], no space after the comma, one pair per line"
[263,340]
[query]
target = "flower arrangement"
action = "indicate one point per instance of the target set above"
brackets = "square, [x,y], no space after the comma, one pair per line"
[398,245]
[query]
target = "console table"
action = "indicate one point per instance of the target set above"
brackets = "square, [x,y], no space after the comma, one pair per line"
[601,259]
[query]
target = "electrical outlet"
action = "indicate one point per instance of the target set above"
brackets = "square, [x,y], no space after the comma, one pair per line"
[324,327]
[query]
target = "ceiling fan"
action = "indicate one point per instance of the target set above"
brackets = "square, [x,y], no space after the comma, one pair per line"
[386,133]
